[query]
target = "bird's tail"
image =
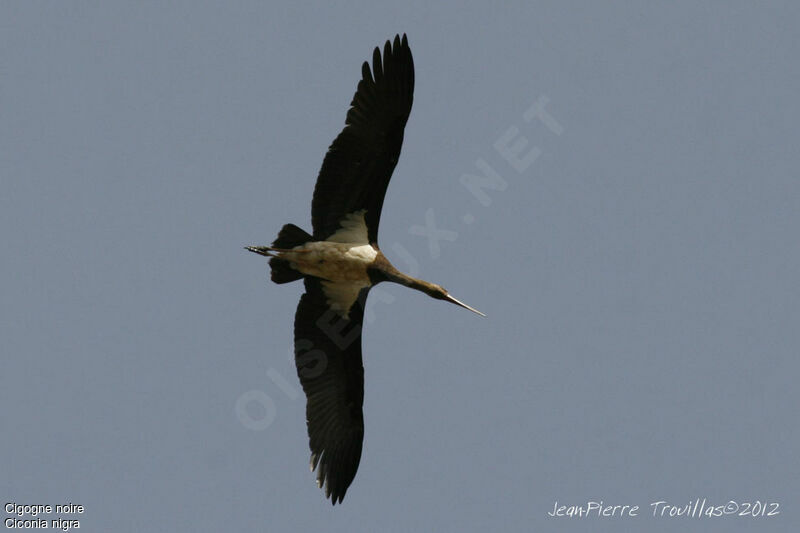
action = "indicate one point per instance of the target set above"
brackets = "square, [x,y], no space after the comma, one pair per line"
[289,237]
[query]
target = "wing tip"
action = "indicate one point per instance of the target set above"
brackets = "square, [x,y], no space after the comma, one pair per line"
[366,73]
[323,480]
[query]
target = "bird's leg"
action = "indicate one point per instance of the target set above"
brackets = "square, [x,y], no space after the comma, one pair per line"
[268,250]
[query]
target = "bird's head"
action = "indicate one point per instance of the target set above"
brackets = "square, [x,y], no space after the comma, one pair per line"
[440,293]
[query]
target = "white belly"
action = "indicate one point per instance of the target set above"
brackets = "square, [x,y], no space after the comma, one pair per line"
[342,267]
[333,261]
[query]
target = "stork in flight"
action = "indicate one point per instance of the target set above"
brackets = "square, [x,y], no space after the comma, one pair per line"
[341,261]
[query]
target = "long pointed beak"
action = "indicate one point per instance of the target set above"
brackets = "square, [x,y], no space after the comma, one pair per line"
[462,304]
[262,250]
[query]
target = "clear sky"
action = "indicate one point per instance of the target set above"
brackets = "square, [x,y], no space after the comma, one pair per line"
[635,247]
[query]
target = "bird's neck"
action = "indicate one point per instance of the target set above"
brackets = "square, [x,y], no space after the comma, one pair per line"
[389,273]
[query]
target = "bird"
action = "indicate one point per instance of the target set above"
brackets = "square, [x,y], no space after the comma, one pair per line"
[340,261]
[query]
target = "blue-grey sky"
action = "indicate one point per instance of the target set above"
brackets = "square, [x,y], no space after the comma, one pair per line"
[637,256]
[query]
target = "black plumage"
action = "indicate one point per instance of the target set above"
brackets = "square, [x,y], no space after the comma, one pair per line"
[360,161]
[329,365]
[341,261]
[354,177]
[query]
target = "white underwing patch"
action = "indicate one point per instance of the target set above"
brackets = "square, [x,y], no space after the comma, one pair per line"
[353,229]
[342,295]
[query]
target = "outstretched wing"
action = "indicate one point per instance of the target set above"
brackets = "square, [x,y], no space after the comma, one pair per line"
[359,163]
[328,356]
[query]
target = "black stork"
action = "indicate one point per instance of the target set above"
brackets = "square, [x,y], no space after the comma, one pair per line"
[341,261]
